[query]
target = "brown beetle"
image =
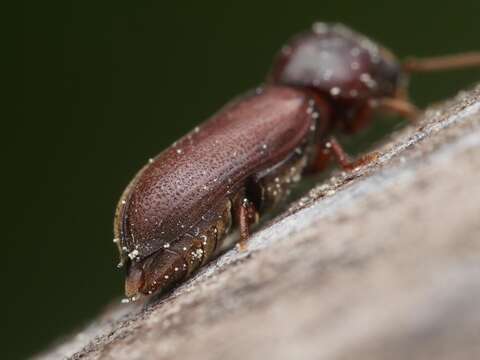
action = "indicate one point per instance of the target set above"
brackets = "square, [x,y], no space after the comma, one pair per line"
[176,213]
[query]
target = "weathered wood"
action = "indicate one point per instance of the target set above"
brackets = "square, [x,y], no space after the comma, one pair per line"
[380,263]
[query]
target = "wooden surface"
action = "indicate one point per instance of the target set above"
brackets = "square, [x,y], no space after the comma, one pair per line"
[383,263]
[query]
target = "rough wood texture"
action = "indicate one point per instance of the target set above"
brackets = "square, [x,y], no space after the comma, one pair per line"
[382,263]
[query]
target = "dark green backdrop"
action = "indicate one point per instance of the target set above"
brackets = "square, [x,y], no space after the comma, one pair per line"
[108,84]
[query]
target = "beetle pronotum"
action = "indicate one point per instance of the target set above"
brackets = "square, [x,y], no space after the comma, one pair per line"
[175,214]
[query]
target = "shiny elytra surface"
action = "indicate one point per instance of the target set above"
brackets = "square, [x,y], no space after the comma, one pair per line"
[191,178]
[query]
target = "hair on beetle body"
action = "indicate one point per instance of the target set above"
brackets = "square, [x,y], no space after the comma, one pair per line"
[202,195]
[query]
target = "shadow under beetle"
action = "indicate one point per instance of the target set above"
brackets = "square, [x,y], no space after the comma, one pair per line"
[175,214]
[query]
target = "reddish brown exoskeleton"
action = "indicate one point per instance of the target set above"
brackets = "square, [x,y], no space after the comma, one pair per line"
[176,213]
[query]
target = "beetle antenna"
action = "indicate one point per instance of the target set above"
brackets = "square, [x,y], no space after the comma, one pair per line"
[440,63]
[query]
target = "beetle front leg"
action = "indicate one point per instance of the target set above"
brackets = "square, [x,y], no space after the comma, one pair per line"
[398,106]
[245,214]
[395,105]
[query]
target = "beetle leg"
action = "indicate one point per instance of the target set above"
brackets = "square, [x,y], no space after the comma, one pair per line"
[344,160]
[246,215]
[398,106]
[331,148]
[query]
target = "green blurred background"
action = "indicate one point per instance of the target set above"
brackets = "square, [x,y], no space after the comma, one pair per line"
[108,84]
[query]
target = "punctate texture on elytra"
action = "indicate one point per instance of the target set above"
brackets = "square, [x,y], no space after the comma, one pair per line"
[187,183]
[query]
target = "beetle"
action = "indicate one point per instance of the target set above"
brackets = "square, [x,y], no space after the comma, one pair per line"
[202,195]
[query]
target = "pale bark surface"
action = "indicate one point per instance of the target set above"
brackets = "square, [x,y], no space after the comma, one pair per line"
[383,263]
